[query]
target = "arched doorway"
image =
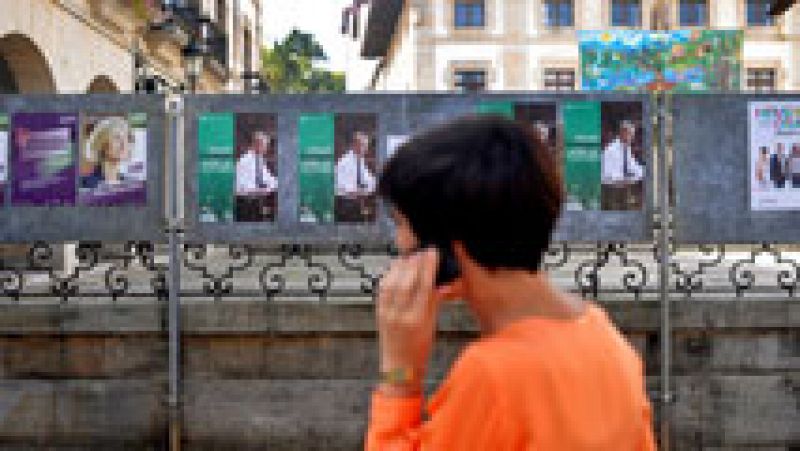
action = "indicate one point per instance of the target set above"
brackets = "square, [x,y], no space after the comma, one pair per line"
[102,85]
[24,70]
[8,83]
[23,67]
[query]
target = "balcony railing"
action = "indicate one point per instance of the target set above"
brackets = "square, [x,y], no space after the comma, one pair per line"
[188,16]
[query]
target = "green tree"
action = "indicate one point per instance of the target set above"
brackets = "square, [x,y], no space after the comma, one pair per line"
[288,66]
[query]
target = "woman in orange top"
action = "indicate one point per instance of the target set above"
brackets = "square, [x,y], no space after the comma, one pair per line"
[550,371]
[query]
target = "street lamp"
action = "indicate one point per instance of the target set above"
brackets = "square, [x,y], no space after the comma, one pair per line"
[163,22]
[254,82]
[192,64]
[195,51]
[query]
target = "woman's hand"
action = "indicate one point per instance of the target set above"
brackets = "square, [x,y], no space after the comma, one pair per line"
[406,310]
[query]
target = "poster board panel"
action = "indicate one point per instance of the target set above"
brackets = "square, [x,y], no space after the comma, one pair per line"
[82,168]
[723,193]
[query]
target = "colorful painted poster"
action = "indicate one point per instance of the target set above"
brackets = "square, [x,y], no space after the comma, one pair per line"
[582,145]
[356,166]
[774,156]
[256,167]
[216,167]
[113,160]
[680,60]
[43,159]
[316,144]
[622,161]
[3,157]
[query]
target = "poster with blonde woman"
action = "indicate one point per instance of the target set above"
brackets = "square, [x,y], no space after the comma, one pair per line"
[113,160]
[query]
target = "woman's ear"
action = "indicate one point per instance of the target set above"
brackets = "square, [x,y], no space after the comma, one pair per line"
[462,256]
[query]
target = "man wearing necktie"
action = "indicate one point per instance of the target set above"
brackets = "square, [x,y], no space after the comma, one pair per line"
[355,183]
[621,174]
[255,184]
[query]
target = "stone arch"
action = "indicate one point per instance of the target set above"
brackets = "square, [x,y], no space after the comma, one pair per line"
[23,67]
[102,85]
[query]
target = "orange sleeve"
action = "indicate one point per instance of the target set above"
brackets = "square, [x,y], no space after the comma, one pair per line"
[646,441]
[465,414]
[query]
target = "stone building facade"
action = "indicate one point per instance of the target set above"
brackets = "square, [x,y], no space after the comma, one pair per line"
[79,46]
[533,45]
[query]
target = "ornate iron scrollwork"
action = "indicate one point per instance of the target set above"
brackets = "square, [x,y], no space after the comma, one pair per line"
[634,273]
[218,285]
[744,279]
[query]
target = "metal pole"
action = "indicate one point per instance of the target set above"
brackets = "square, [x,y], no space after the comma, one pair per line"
[135,75]
[666,328]
[174,230]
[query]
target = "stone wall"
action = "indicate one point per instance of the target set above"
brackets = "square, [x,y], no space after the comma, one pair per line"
[260,375]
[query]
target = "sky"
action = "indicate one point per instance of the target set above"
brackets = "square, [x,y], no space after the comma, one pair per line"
[323,18]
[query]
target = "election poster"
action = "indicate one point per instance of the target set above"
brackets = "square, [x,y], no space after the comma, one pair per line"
[582,151]
[256,167]
[541,116]
[355,170]
[3,157]
[215,167]
[113,160]
[774,154]
[393,143]
[316,141]
[43,160]
[604,164]
[622,159]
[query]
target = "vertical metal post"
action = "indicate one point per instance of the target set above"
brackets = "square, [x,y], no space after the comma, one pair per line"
[174,111]
[665,328]
[135,70]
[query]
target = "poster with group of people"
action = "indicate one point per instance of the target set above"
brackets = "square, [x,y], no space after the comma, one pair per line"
[337,168]
[774,156]
[603,149]
[237,167]
[65,159]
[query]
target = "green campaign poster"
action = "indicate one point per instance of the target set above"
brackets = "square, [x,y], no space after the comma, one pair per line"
[496,107]
[582,164]
[216,168]
[316,133]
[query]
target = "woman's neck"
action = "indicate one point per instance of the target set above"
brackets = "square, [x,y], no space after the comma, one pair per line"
[110,171]
[514,295]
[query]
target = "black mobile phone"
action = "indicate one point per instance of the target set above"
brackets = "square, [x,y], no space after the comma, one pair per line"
[448,269]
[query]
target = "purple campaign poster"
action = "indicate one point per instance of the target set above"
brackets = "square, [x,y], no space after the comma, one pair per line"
[43,159]
[3,157]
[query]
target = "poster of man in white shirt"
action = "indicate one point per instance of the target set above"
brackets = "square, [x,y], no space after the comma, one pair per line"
[542,117]
[256,179]
[622,165]
[355,168]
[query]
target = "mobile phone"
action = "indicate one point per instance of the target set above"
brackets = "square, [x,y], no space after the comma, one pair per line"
[447,270]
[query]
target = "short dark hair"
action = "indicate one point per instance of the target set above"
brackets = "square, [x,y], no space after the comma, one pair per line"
[483,180]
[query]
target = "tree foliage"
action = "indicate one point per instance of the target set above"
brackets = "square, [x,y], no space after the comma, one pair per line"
[289,66]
